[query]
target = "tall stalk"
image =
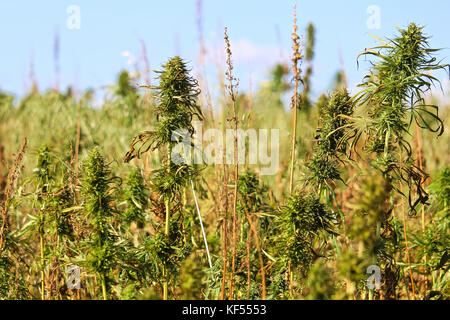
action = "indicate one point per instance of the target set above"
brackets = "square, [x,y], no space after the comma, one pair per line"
[420,162]
[42,244]
[405,236]
[43,175]
[296,58]
[167,228]
[77,138]
[232,84]
[104,292]
[224,206]
[254,231]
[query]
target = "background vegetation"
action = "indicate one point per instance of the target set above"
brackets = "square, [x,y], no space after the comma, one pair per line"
[370,186]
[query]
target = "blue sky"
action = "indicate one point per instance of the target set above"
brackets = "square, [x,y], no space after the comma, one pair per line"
[259,31]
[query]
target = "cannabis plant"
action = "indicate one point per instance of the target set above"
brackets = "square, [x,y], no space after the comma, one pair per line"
[304,225]
[136,197]
[101,247]
[255,216]
[393,93]
[44,177]
[176,108]
[369,228]
[320,282]
[331,145]
[432,245]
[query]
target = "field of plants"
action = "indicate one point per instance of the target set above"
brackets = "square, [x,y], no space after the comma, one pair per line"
[93,204]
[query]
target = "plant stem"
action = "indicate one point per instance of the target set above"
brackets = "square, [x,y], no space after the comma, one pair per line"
[166,230]
[167,203]
[105,296]
[261,261]
[419,156]
[77,138]
[289,278]
[201,225]
[224,206]
[406,237]
[248,268]
[295,59]
[258,247]
[41,239]
[232,93]
[294,134]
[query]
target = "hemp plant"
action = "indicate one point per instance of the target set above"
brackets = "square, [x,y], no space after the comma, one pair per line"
[125,100]
[176,108]
[254,217]
[102,249]
[44,179]
[304,224]
[432,246]
[51,222]
[136,197]
[323,168]
[393,95]
[372,236]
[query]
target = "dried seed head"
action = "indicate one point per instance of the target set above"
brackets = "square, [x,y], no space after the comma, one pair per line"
[297,44]
[232,81]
